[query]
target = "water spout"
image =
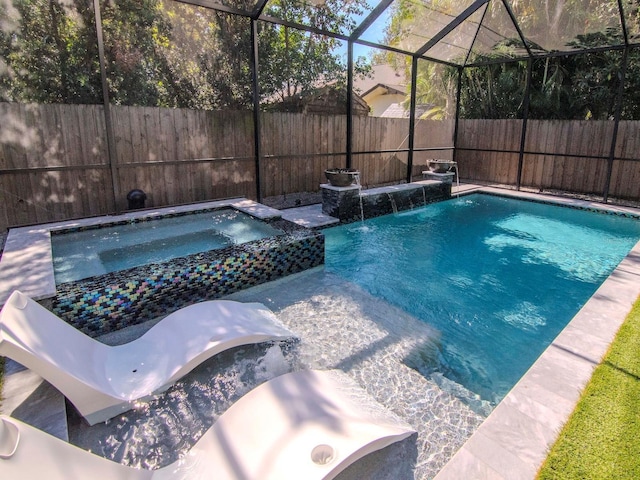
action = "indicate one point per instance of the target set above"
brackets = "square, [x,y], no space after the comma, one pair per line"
[357,180]
[393,202]
[455,165]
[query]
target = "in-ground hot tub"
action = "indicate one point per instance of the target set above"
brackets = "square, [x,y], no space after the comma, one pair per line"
[236,253]
[80,253]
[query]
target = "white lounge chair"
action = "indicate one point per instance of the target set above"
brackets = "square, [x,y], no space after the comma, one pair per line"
[304,425]
[103,381]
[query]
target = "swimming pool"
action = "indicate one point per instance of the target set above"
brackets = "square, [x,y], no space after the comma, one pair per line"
[499,278]
[80,254]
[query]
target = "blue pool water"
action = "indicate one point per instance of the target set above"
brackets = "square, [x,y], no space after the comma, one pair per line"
[499,278]
[87,253]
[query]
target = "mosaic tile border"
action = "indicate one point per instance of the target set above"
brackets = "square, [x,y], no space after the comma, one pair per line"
[106,303]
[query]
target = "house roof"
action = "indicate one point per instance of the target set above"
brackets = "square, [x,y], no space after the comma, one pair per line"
[384,89]
[326,99]
[396,110]
[384,76]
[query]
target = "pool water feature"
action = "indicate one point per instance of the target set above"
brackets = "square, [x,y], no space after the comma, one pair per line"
[498,278]
[96,251]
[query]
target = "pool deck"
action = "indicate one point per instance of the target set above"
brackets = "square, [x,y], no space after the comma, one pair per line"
[510,444]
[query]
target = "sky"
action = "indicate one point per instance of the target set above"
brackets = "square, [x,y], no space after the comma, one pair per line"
[375,33]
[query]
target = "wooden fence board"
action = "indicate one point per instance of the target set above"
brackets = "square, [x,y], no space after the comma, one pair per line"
[626,173]
[433,133]
[14,203]
[49,154]
[501,161]
[127,135]
[15,135]
[625,179]
[567,144]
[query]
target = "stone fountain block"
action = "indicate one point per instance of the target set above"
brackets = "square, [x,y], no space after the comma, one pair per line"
[341,202]
[344,203]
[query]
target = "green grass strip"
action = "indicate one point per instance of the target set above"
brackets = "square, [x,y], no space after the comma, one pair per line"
[601,440]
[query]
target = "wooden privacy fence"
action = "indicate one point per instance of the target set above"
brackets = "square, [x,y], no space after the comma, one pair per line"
[56,162]
[297,149]
[571,156]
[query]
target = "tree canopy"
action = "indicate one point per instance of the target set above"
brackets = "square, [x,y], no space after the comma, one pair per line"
[170,54]
[574,86]
[579,86]
[164,53]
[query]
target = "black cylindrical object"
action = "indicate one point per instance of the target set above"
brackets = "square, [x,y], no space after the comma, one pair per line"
[136,199]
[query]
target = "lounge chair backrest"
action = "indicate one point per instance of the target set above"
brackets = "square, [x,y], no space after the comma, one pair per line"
[32,335]
[102,381]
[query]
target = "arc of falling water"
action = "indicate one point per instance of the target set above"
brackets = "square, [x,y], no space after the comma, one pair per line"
[357,179]
[455,165]
[394,207]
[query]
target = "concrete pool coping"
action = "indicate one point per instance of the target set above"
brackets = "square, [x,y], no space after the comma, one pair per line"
[27,264]
[514,440]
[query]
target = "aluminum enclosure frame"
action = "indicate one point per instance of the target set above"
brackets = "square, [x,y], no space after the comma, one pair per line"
[257,14]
